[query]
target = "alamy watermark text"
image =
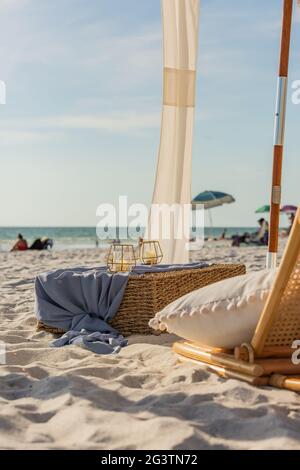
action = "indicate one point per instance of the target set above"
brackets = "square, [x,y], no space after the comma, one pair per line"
[296,92]
[2,92]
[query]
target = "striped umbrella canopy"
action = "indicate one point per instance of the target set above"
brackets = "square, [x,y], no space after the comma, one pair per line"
[263,209]
[211,199]
[289,209]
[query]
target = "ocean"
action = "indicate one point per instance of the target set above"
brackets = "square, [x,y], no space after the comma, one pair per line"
[86,237]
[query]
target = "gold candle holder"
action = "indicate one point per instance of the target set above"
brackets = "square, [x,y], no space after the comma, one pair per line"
[151,252]
[121,257]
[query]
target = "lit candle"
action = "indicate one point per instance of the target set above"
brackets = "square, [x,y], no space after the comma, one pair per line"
[151,257]
[122,265]
[117,267]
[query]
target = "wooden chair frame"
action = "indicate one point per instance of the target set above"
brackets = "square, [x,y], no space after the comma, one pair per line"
[268,358]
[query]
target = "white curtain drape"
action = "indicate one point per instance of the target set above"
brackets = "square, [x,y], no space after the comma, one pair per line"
[173,176]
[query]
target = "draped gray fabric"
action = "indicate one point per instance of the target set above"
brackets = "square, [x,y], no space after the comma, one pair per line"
[79,298]
[81,301]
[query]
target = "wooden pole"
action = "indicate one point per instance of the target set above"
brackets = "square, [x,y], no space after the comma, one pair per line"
[278,366]
[280,381]
[226,373]
[189,350]
[279,132]
[268,352]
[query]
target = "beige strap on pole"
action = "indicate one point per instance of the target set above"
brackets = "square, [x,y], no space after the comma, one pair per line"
[179,87]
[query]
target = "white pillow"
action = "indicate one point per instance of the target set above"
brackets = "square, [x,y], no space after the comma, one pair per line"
[222,315]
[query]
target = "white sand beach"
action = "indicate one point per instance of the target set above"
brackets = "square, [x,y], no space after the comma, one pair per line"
[69,398]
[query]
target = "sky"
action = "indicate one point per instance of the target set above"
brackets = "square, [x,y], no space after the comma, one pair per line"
[81,123]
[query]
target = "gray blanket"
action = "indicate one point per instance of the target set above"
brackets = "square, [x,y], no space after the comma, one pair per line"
[81,301]
[99,343]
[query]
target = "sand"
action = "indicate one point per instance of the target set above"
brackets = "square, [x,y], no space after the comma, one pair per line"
[142,398]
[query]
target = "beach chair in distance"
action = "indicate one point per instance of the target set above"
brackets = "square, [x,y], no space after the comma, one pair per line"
[268,359]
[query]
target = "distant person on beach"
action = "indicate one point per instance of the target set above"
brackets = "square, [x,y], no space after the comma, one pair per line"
[238,239]
[42,244]
[286,232]
[292,220]
[223,235]
[261,237]
[21,244]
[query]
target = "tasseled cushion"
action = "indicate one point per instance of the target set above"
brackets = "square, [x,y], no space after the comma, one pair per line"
[221,315]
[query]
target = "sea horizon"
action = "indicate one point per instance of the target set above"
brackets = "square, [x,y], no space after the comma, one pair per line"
[84,237]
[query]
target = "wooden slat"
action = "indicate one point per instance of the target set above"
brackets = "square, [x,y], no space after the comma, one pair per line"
[189,350]
[268,316]
[225,372]
[288,383]
[278,366]
[277,351]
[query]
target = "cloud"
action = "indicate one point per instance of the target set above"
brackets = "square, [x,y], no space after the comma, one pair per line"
[117,123]
[9,5]
[113,122]
[229,36]
[77,49]
[126,62]
[39,128]
[9,137]
[297,15]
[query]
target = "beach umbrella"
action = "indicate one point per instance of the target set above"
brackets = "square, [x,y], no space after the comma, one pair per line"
[289,210]
[279,130]
[211,199]
[263,210]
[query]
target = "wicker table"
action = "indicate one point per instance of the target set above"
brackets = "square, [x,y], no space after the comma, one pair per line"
[146,294]
[149,293]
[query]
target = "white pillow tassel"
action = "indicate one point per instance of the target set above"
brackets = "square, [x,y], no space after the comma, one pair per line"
[194,312]
[184,313]
[231,306]
[171,315]
[216,307]
[264,294]
[154,323]
[204,310]
[251,298]
[163,326]
[241,303]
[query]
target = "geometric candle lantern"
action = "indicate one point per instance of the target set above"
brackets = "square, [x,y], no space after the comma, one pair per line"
[121,257]
[150,252]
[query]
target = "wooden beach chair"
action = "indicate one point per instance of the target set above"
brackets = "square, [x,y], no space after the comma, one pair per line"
[268,359]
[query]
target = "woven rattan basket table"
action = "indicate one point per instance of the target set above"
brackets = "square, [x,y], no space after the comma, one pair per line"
[148,293]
